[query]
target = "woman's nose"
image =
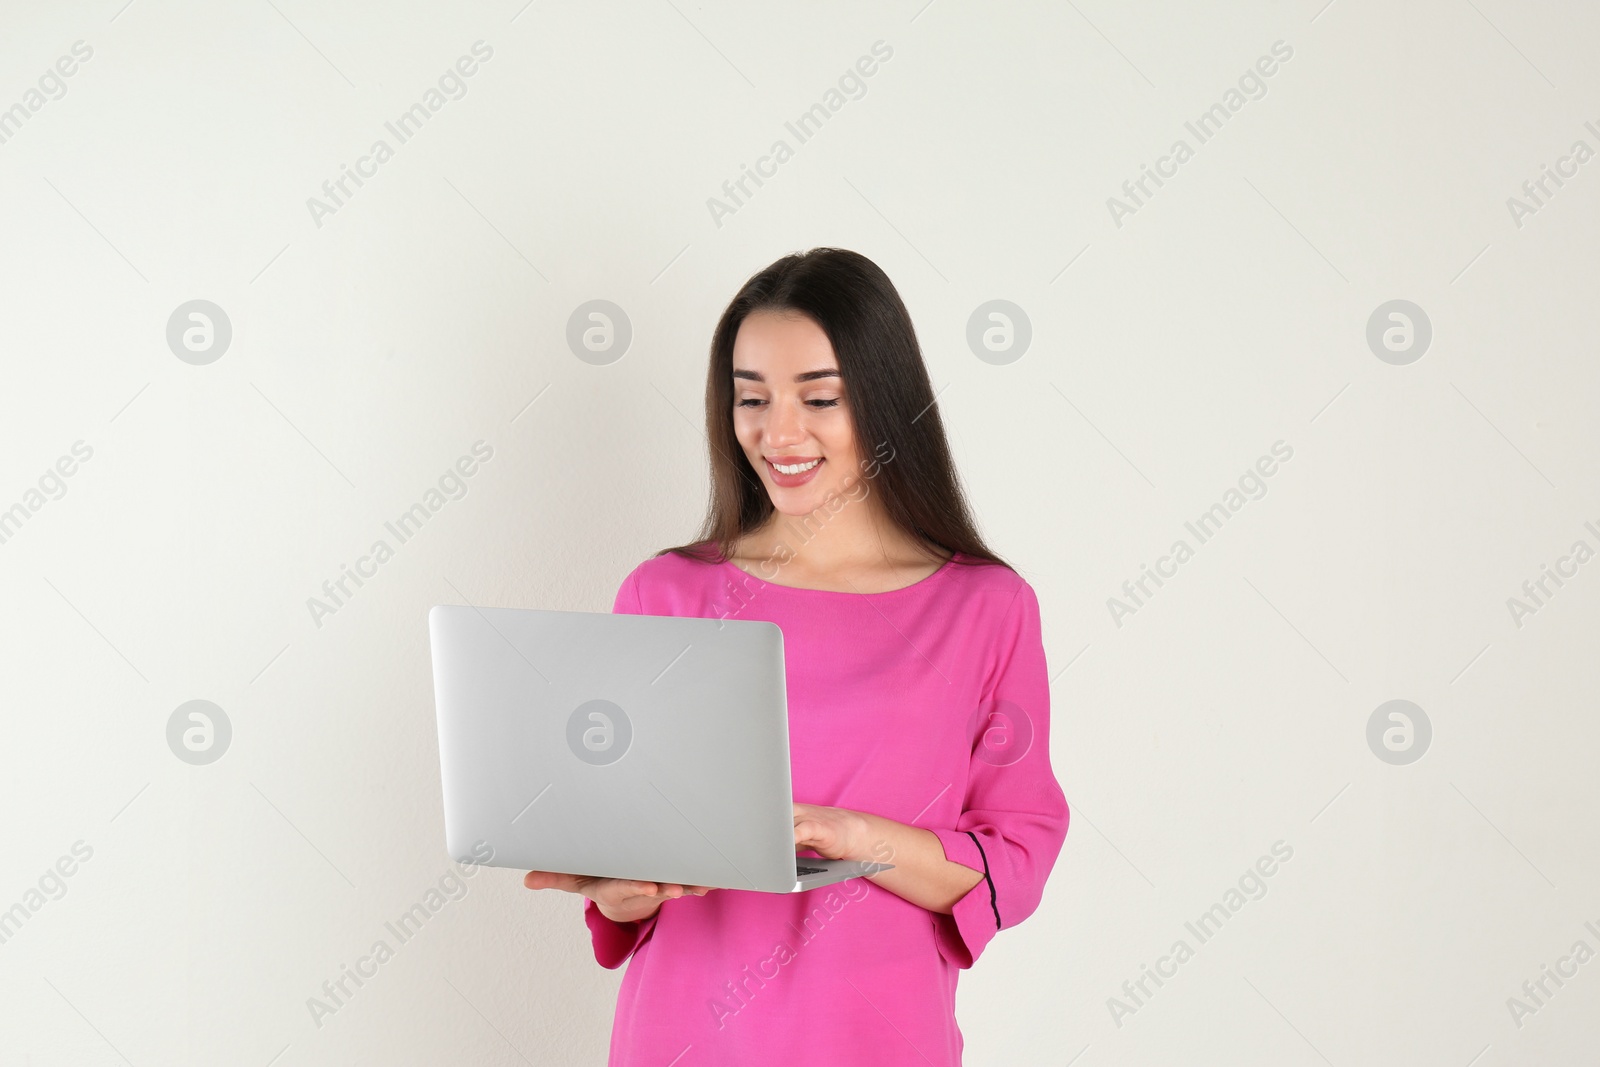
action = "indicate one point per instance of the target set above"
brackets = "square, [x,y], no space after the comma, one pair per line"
[784,424]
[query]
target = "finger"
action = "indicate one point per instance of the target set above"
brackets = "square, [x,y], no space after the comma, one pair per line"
[550,880]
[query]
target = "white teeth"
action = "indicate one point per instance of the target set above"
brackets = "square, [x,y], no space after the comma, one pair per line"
[798,468]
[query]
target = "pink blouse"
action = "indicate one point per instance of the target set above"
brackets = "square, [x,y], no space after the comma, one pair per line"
[929,705]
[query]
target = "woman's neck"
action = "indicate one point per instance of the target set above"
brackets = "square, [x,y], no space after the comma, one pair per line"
[819,544]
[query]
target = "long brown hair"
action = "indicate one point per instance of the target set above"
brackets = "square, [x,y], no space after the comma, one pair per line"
[891,402]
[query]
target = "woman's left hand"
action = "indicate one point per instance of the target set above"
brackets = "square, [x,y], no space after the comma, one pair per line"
[833,833]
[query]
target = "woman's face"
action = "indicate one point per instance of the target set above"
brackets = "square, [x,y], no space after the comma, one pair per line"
[790,410]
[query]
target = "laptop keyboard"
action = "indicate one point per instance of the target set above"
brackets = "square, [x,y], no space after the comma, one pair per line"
[802,871]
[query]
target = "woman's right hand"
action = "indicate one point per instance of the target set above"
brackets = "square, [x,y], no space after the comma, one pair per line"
[619,899]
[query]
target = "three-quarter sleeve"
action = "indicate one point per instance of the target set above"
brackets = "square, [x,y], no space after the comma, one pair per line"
[1014,816]
[614,942]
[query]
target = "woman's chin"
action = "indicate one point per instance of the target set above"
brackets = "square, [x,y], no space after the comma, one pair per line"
[797,503]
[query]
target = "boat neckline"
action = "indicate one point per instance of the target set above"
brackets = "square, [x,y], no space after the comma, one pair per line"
[947,565]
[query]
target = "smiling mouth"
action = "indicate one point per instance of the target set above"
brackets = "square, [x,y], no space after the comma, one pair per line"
[795,468]
[797,471]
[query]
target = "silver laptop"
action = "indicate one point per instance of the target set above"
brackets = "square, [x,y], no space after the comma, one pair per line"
[624,746]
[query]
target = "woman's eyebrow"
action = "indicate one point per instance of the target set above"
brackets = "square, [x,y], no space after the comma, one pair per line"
[808,376]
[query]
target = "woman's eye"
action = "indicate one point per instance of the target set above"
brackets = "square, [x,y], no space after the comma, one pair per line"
[754,402]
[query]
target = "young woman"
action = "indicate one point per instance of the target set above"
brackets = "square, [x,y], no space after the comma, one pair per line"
[917,692]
